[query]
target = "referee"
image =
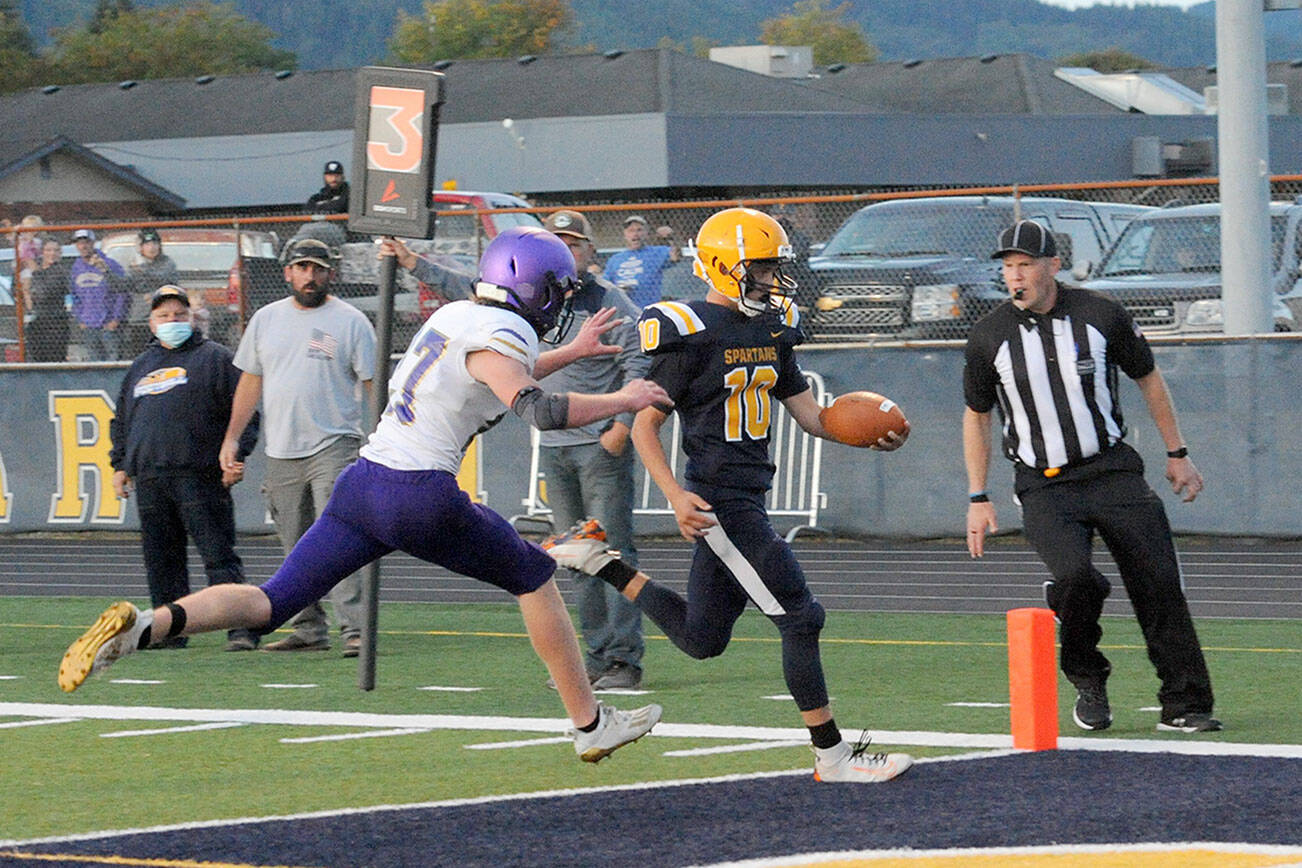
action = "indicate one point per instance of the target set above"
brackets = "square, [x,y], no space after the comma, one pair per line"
[1049,360]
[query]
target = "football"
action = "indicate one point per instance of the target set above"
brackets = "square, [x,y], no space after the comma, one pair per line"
[862,418]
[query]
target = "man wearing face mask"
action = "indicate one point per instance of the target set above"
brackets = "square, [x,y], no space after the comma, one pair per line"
[172,409]
[309,358]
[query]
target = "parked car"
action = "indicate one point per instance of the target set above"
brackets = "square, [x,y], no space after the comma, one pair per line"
[1166,269]
[458,240]
[921,268]
[208,265]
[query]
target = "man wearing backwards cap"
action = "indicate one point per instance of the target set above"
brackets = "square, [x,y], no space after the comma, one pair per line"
[1048,358]
[173,406]
[303,357]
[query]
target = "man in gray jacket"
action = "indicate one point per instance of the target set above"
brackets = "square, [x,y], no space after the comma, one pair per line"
[589,470]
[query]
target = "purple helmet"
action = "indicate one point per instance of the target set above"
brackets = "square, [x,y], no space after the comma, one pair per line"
[531,271]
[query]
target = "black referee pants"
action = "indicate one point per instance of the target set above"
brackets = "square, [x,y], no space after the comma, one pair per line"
[1060,520]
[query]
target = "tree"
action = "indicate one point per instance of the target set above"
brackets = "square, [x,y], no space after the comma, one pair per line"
[458,29]
[20,66]
[106,12]
[1112,60]
[167,42]
[832,37]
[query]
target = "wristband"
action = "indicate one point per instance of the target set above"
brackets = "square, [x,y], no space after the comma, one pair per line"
[1182,452]
[978,497]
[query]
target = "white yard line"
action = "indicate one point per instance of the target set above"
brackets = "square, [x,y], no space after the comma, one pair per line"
[990,741]
[198,727]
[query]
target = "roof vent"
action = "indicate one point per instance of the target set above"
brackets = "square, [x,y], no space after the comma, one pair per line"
[526,59]
[1296,63]
[613,54]
[205,79]
[50,88]
[836,67]
[284,74]
[910,64]
[1211,70]
[989,58]
[440,65]
[128,84]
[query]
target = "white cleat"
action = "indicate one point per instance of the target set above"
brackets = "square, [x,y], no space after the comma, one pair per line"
[615,729]
[853,764]
[582,547]
[116,633]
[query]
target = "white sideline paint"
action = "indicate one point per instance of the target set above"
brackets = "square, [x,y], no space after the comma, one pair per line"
[1111,850]
[275,686]
[136,681]
[506,745]
[198,727]
[13,724]
[452,689]
[349,736]
[978,704]
[990,741]
[735,748]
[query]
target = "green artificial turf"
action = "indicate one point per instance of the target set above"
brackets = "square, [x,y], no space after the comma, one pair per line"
[885,672]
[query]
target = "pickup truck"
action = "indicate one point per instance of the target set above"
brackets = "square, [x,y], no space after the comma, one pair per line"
[1166,269]
[921,268]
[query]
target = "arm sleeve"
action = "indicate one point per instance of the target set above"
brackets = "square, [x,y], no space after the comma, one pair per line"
[791,380]
[1128,346]
[978,377]
[119,424]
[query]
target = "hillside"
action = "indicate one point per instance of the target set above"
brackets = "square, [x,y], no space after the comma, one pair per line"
[344,33]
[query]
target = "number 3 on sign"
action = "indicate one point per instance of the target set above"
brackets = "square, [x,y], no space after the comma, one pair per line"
[748,407]
[394,141]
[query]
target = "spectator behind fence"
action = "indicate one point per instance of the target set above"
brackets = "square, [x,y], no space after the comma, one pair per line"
[151,269]
[28,253]
[637,269]
[589,470]
[47,334]
[332,198]
[172,409]
[100,290]
[310,359]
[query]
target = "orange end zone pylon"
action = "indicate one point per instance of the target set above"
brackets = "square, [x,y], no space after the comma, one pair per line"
[1032,679]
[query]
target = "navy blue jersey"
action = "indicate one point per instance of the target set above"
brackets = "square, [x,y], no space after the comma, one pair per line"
[723,371]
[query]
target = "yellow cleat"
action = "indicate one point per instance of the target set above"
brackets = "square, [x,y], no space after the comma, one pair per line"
[114,634]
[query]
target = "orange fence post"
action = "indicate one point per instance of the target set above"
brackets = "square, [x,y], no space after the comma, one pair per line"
[1032,679]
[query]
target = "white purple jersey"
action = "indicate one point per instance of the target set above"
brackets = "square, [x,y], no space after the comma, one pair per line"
[435,406]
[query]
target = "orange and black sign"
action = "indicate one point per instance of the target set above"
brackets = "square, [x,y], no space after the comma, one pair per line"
[394,142]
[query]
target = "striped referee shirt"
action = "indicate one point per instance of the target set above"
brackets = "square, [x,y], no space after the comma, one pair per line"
[1054,376]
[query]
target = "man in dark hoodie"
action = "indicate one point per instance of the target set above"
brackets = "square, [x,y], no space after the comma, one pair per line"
[172,413]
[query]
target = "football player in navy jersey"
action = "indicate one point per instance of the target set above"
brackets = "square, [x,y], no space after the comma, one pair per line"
[723,361]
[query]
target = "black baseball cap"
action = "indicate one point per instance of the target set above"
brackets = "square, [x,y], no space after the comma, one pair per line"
[1026,236]
[150,235]
[334,167]
[169,292]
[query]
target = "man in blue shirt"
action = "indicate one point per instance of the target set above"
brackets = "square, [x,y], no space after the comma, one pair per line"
[637,270]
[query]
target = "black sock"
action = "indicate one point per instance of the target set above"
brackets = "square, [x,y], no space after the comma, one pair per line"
[825,735]
[178,620]
[145,637]
[617,574]
[592,726]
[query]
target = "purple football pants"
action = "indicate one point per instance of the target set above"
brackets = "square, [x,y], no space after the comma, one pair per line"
[375,510]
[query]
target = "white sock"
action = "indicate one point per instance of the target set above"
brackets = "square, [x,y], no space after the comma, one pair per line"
[144,619]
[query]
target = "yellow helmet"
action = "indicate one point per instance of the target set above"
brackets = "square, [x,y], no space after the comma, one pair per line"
[726,246]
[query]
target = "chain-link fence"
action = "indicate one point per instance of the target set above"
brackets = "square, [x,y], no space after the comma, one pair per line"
[900,265]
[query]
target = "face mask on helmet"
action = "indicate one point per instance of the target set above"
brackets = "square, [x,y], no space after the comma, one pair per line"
[530,271]
[733,243]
